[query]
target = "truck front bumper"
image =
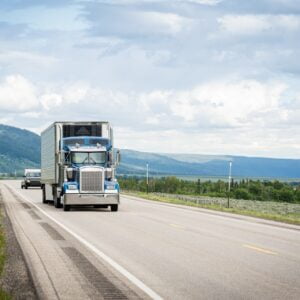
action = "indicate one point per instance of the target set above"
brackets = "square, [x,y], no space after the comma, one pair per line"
[91,199]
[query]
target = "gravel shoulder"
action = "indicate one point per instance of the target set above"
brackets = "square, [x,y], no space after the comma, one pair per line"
[16,281]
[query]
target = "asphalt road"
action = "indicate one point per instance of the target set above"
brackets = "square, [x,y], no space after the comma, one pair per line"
[186,253]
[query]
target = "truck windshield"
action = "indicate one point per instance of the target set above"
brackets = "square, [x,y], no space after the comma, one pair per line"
[35,174]
[88,157]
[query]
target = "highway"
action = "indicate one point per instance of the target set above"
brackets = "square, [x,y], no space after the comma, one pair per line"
[165,251]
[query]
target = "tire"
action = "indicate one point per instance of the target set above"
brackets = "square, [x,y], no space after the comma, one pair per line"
[66,207]
[44,194]
[57,202]
[26,187]
[100,206]
[56,199]
[114,207]
[22,187]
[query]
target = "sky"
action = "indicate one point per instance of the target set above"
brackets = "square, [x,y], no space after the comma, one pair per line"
[172,76]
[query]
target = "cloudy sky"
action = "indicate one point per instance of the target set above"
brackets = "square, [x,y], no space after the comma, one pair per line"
[192,76]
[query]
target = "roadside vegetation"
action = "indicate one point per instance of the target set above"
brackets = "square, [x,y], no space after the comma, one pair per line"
[3,294]
[272,200]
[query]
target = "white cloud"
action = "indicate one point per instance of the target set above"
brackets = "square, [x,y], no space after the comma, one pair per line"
[76,92]
[253,24]
[248,111]
[21,56]
[51,100]
[291,22]
[209,105]
[17,94]
[220,104]
[164,22]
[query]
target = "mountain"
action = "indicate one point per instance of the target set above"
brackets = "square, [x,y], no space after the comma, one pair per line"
[134,162]
[20,149]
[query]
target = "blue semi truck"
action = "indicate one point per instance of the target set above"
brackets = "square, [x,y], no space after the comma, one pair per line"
[78,164]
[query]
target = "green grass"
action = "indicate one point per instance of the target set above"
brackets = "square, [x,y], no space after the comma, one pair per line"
[269,211]
[3,294]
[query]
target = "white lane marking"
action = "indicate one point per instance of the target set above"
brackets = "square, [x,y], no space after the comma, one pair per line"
[109,260]
[177,226]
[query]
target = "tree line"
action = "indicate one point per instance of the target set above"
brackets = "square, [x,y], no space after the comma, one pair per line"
[246,189]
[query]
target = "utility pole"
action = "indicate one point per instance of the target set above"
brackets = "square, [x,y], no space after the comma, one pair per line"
[147,177]
[229,182]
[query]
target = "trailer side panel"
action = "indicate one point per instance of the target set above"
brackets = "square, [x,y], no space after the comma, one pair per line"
[48,161]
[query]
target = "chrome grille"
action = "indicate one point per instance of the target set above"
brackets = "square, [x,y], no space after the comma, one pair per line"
[91,181]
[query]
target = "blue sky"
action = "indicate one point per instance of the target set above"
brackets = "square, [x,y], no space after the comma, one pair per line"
[193,76]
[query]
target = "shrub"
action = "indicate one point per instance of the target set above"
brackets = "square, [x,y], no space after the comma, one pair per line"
[242,193]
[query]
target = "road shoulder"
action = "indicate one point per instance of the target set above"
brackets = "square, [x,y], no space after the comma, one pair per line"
[16,280]
[216,213]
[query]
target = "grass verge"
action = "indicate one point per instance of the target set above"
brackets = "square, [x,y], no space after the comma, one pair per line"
[290,218]
[3,294]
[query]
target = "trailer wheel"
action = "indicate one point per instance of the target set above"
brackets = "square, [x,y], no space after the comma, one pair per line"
[114,207]
[44,194]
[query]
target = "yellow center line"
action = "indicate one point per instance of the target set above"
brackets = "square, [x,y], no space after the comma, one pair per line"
[177,226]
[260,249]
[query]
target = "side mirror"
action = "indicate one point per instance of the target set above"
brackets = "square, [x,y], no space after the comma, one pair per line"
[118,160]
[24,176]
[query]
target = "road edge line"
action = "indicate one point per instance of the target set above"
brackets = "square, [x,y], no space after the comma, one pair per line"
[102,255]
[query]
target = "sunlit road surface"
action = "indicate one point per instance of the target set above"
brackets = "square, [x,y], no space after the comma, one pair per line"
[181,253]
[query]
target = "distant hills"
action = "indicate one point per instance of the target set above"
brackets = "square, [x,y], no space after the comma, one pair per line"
[20,149]
[134,162]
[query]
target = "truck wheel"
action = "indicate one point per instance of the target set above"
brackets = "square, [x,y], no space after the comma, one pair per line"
[44,194]
[114,207]
[100,206]
[56,201]
[66,207]
[26,187]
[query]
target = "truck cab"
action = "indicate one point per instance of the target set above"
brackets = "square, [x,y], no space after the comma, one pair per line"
[89,168]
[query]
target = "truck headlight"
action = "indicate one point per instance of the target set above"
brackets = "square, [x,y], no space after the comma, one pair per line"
[111,186]
[72,187]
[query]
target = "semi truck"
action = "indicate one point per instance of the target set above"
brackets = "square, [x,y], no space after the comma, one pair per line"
[32,177]
[78,165]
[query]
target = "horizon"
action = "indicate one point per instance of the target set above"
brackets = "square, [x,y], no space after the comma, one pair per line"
[181,153]
[186,76]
